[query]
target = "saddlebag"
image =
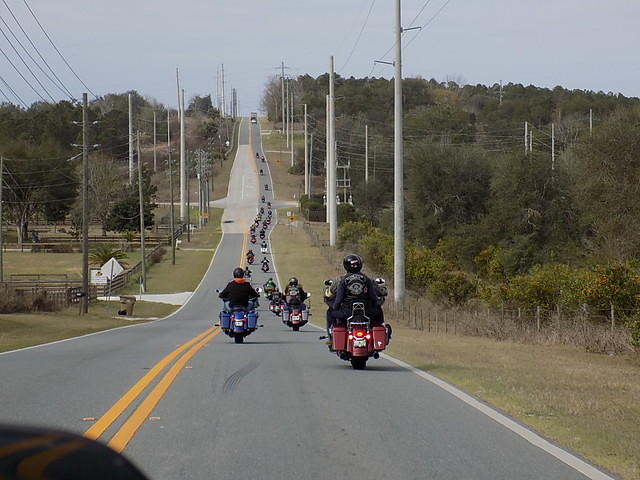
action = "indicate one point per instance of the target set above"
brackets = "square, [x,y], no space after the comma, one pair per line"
[225,320]
[339,338]
[379,337]
[253,319]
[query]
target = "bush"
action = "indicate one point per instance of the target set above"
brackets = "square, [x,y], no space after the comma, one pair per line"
[377,250]
[350,234]
[62,248]
[346,213]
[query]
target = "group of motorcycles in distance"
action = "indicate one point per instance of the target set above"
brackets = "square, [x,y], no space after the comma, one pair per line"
[354,340]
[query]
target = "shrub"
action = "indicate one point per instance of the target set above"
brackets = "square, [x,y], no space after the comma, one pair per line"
[62,248]
[103,253]
[377,250]
[350,234]
[346,213]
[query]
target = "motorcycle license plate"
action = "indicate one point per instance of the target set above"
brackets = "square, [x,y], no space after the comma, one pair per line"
[239,323]
[359,342]
[295,318]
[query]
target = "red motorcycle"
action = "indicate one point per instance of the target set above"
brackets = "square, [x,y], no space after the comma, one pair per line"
[359,341]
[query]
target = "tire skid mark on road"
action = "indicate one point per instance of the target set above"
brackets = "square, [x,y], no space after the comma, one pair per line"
[231,383]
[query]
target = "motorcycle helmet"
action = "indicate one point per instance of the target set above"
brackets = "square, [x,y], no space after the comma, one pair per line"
[352,263]
[293,281]
[238,272]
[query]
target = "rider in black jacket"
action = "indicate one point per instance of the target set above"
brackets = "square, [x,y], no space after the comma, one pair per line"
[239,293]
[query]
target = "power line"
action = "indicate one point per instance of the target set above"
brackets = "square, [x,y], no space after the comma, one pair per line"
[359,35]
[57,50]
[428,22]
[23,77]
[25,64]
[60,83]
[13,92]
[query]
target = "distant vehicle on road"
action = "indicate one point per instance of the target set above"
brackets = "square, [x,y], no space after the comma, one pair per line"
[254,117]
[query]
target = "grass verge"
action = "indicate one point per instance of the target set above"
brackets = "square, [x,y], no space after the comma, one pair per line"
[587,402]
[26,329]
[286,186]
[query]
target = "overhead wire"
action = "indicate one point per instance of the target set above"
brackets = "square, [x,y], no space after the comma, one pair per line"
[13,92]
[38,52]
[58,50]
[21,75]
[355,45]
[31,57]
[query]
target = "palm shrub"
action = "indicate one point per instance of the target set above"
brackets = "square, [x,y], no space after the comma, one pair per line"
[103,253]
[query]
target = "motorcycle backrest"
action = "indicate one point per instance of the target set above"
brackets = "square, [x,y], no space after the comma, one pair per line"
[357,308]
[238,314]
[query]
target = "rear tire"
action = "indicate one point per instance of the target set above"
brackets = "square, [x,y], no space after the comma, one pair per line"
[359,363]
[238,339]
[296,328]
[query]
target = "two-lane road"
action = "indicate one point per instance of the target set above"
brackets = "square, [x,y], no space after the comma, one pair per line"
[278,406]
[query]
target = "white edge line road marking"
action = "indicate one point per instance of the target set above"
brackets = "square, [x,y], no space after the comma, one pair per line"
[138,324]
[530,436]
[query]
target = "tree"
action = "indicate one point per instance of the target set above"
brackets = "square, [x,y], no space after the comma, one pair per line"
[125,214]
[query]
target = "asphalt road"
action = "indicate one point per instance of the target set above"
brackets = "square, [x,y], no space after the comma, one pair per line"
[279,406]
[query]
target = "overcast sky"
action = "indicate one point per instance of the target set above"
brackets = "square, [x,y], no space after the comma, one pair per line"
[119,45]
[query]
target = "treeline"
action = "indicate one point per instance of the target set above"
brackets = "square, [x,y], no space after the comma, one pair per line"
[42,160]
[493,220]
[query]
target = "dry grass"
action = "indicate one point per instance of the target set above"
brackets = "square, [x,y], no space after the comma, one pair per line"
[587,402]
[286,186]
[22,330]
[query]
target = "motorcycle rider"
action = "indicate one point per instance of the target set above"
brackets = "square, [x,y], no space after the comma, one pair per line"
[263,246]
[247,273]
[355,286]
[250,253]
[265,264]
[294,294]
[239,293]
[269,287]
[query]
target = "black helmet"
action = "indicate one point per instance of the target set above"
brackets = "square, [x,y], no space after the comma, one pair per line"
[352,263]
[293,281]
[238,272]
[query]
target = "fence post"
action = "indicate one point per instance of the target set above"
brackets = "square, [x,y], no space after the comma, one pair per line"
[429,322]
[538,317]
[445,322]
[421,321]
[436,321]
[520,318]
[613,318]
[558,317]
[584,318]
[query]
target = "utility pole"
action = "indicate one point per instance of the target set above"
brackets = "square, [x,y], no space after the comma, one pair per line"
[531,141]
[288,110]
[291,121]
[143,262]
[306,154]
[591,122]
[85,208]
[326,161]
[282,85]
[223,104]
[1,221]
[366,154]
[130,140]
[398,169]
[526,135]
[553,147]
[172,226]
[188,209]
[311,165]
[332,158]
[183,163]
[155,165]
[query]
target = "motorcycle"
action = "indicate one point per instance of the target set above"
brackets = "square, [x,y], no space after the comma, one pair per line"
[262,198]
[262,235]
[240,322]
[296,316]
[263,250]
[262,158]
[265,267]
[266,186]
[253,239]
[358,340]
[250,259]
[269,205]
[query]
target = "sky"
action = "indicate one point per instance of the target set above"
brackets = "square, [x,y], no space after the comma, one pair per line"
[117,45]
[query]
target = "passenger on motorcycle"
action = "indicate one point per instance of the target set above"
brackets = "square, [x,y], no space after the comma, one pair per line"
[247,273]
[294,294]
[239,293]
[353,287]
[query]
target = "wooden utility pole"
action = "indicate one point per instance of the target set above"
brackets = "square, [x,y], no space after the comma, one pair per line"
[143,262]
[1,221]
[155,166]
[130,140]
[306,154]
[85,209]
[172,222]
[553,147]
[366,154]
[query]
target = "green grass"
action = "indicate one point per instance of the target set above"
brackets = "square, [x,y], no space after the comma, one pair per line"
[28,262]
[587,402]
[25,329]
[190,265]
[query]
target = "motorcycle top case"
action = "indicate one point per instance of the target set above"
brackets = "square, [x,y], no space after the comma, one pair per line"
[253,319]
[225,320]
[379,338]
[339,338]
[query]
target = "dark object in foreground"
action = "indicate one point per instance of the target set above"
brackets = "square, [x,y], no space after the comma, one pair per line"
[29,453]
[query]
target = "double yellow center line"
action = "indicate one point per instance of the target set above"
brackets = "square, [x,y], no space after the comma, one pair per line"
[126,432]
